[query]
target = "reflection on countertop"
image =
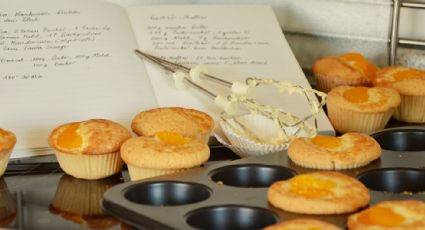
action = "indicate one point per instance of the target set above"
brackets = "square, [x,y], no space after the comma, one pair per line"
[38,195]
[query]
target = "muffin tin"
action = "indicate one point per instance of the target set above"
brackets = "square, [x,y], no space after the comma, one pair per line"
[232,194]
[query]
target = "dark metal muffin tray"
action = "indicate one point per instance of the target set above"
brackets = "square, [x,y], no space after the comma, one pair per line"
[232,195]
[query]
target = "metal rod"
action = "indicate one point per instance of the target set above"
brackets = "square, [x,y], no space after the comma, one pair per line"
[158,62]
[184,68]
[411,42]
[394,31]
[413,4]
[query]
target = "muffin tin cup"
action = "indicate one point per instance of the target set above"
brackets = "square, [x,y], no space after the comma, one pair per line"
[238,190]
[401,139]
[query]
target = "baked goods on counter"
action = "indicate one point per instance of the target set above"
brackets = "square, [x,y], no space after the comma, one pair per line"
[397,214]
[165,153]
[351,150]
[79,201]
[361,109]
[302,224]
[7,142]
[410,83]
[188,122]
[325,192]
[89,149]
[347,69]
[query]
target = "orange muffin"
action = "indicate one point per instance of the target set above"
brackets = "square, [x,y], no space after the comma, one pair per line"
[350,150]
[397,215]
[410,83]
[347,69]
[89,149]
[7,142]
[165,153]
[188,122]
[325,192]
[303,224]
[361,109]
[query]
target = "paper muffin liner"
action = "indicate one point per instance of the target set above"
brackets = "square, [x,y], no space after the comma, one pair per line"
[344,120]
[327,83]
[90,167]
[82,197]
[264,128]
[139,173]
[4,160]
[411,109]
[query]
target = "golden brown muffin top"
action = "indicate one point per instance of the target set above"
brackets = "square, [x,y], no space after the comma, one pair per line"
[95,136]
[350,150]
[165,151]
[397,214]
[188,122]
[303,224]
[7,141]
[406,81]
[345,66]
[322,192]
[364,99]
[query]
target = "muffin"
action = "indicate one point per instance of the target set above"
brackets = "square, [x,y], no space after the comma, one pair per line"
[361,109]
[350,150]
[165,153]
[303,224]
[397,214]
[325,192]
[79,201]
[350,69]
[410,83]
[188,122]
[7,142]
[89,149]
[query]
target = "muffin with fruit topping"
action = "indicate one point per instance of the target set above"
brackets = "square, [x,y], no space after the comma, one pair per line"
[164,153]
[361,109]
[7,142]
[325,192]
[303,224]
[410,83]
[397,214]
[89,149]
[347,69]
[350,150]
[188,122]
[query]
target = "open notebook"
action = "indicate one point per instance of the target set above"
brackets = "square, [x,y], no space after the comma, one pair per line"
[71,60]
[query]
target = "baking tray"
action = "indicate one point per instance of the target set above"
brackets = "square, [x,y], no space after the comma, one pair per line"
[232,195]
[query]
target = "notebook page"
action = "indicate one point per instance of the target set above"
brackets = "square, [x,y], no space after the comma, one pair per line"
[234,41]
[63,61]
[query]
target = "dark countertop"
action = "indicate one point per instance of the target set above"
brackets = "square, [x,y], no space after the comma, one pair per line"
[37,195]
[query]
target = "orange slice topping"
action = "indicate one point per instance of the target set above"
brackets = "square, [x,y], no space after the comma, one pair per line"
[407,74]
[326,141]
[381,216]
[310,186]
[69,138]
[356,94]
[360,63]
[171,138]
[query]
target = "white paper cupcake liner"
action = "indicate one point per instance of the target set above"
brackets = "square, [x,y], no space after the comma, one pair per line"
[90,167]
[4,160]
[262,127]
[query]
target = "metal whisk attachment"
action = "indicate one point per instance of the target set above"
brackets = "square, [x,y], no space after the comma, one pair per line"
[243,94]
